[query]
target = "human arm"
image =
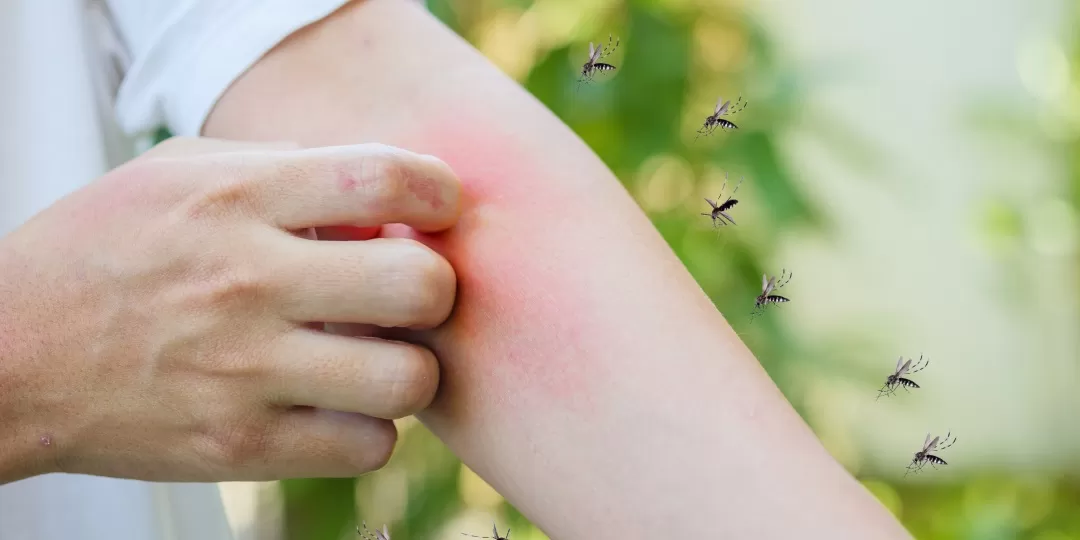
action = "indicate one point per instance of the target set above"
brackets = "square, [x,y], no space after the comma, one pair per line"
[585,374]
[171,340]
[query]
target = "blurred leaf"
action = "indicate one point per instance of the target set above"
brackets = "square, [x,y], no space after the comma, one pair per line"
[318,509]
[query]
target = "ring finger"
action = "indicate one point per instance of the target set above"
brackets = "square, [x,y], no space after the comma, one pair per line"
[375,377]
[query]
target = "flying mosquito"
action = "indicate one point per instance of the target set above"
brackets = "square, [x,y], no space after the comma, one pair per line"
[384,534]
[594,64]
[495,532]
[720,209]
[768,286]
[897,380]
[922,457]
[723,108]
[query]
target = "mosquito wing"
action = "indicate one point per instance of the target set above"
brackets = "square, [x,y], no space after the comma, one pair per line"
[933,443]
[926,443]
[385,534]
[594,51]
[722,106]
[768,285]
[903,369]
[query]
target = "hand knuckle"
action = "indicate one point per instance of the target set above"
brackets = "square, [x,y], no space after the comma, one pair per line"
[223,197]
[239,444]
[237,285]
[389,178]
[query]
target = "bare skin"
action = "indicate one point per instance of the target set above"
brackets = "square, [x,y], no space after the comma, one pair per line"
[172,340]
[585,375]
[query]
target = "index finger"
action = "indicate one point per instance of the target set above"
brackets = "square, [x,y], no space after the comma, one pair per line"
[363,185]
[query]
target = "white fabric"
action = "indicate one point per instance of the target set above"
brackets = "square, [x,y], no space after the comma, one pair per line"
[57,133]
[53,141]
[187,53]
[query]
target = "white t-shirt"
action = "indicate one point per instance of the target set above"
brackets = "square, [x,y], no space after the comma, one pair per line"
[75,75]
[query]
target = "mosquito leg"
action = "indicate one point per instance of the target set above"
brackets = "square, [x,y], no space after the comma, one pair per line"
[783,272]
[736,186]
[736,108]
[947,445]
[610,48]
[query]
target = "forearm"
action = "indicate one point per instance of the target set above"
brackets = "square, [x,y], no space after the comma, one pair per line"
[586,375]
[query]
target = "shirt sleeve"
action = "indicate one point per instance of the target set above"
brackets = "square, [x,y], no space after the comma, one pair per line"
[183,54]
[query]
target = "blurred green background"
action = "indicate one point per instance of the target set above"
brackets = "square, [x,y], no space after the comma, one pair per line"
[831,349]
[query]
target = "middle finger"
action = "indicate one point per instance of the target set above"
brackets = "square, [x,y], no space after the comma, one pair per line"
[389,282]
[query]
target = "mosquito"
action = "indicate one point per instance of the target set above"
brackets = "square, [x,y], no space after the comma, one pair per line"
[723,108]
[719,209]
[384,534]
[922,457]
[594,64]
[897,380]
[768,286]
[494,532]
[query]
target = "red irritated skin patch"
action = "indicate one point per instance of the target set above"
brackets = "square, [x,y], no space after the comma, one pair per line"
[346,181]
[519,325]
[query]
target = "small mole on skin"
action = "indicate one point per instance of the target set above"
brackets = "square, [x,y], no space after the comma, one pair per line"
[426,190]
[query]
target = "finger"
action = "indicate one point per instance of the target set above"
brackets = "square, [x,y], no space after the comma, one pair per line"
[363,185]
[192,146]
[319,443]
[380,378]
[385,282]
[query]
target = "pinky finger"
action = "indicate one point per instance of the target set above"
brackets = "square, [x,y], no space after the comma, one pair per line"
[320,443]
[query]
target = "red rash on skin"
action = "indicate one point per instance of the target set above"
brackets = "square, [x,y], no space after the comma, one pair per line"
[518,312]
[346,182]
